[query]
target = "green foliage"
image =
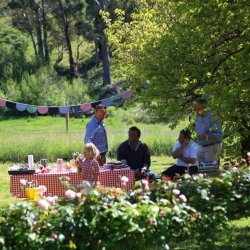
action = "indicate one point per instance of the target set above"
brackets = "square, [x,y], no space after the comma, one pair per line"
[12,54]
[187,49]
[135,220]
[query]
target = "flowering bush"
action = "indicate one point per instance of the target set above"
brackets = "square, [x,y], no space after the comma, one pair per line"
[109,218]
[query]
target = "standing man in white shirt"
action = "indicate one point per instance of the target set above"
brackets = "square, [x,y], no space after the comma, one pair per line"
[185,152]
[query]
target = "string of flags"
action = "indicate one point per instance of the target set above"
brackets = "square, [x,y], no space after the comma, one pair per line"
[85,107]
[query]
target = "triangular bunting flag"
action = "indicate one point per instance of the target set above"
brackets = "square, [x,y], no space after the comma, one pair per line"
[107,102]
[11,105]
[43,110]
[2,102]
[127,95]
[31,108]
[21,106]
[85,107]
[94,104]
[64,110]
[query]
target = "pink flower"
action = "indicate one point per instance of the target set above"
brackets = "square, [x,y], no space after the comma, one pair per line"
[124,179]
[144,182]
[43,204]
[23,182]
[43,189]
[70,194]
[183,198]
[176,209]
[176,192]
[54,236]
[51,200]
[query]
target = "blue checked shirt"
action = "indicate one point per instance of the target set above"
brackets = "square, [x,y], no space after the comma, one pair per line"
[208,124]
[96,133]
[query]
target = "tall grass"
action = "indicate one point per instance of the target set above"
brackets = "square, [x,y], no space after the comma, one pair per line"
[47,136]
[15,147]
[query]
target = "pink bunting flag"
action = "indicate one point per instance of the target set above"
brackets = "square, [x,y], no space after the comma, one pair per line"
[127,95]
[85,107]
[43,109]
[2,102]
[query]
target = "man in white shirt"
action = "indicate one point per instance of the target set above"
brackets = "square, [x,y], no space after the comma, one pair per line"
[185,152]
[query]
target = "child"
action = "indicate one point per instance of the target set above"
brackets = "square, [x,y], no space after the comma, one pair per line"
[89,167]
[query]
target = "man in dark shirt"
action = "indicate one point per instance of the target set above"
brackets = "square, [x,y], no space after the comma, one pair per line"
[136,153]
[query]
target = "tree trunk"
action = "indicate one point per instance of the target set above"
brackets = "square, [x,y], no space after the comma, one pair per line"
[45,41]
[73,65]
[38,31]
[106,63]
[31,33]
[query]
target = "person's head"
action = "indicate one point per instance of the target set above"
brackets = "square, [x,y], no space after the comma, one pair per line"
[100,112]
[184,134]
[90,151]
[134,134]
[200,106]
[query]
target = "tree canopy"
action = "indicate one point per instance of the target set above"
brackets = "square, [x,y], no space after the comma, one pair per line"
[185,50]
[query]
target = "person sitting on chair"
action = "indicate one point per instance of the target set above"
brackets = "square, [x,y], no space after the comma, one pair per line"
[185,152]
[136,154]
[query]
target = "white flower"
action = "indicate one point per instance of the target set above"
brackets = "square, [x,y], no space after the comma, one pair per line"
[176,192]
[124,179]
[23,182]
[43,204]
[70,194]
[79,195]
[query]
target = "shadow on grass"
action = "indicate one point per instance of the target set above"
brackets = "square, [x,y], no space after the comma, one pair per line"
[233,238]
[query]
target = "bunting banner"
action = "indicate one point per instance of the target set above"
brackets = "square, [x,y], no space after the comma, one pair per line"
[85,107]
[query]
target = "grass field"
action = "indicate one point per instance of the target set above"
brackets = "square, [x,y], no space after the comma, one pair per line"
[46,136]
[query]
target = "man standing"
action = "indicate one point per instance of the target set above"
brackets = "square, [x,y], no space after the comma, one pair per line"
[185,152]
[136,154]
[96,133]
[208,133]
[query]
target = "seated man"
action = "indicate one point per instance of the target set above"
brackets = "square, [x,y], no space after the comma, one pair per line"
[185,151]
[136,154]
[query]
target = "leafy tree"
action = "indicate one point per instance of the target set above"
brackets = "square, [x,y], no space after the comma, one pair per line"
[12,54]
[184,50]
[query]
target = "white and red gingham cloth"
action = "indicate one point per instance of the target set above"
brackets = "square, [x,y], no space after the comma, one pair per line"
[108,178]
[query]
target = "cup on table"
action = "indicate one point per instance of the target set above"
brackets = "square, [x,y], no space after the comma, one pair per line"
[59,163]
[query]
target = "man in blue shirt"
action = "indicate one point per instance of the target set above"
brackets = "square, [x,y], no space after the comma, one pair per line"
[96,132]
[208,133]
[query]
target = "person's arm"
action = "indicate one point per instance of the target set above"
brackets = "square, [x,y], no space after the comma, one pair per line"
[146,157]
[121,152]
[95,167]
[90,132]
[215,131]
[177,152]
[187,159]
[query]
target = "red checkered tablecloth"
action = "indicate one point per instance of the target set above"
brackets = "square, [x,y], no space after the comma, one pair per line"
[109,178]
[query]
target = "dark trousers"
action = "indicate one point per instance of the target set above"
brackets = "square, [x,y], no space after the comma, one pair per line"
[173,170]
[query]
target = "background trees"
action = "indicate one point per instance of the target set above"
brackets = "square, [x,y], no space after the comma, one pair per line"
[184,50]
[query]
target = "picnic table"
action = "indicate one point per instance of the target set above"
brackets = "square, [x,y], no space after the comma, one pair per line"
[108,178]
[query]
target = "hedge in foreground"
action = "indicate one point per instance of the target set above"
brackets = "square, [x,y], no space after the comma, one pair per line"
[108,218]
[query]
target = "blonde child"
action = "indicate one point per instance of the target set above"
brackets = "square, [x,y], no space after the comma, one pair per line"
[89,167]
